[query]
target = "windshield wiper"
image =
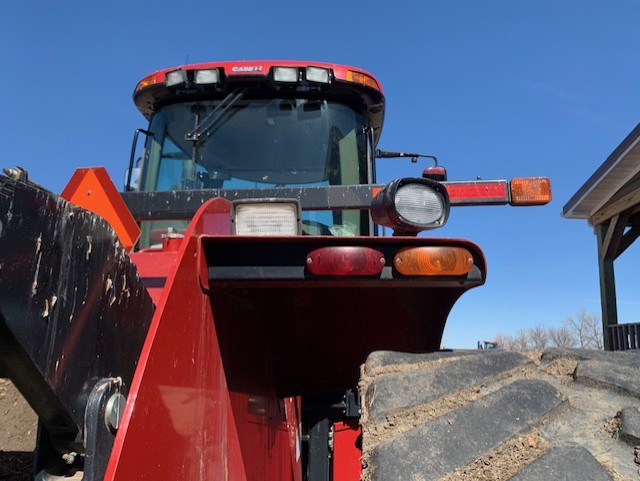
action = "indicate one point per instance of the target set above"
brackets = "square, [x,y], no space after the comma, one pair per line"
[205,127]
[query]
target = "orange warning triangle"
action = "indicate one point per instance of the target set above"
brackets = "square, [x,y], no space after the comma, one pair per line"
[92,189]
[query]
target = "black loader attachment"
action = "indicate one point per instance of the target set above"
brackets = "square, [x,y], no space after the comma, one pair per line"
[73,317]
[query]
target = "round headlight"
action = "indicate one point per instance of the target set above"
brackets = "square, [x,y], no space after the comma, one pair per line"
[409,206]
[419,204]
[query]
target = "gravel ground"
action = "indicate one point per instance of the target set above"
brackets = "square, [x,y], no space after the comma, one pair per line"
[18,426]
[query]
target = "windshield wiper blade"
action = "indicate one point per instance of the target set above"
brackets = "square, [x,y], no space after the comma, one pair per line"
[204,128]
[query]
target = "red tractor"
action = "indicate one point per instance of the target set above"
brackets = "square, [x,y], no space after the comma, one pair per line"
[216,325]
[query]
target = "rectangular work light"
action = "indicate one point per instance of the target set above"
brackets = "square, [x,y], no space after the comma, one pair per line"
[176,77]
[285,74]
[318,75]
[266,217]
[207,76]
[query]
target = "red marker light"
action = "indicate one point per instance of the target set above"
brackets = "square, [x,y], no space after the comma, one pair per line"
[437,173]
[345,261]
[478,192]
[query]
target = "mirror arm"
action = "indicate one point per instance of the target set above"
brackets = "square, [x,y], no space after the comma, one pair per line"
[127,186]
[389,154]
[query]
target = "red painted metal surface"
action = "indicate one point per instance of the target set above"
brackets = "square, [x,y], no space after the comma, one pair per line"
[153,267]
[189,414]
[347,450]
[154,264]
[288,326]
[293,410]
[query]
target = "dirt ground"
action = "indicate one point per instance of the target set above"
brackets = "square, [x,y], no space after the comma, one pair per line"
[18,426]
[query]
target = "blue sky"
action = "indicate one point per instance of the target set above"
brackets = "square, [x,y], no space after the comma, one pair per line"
[496,89]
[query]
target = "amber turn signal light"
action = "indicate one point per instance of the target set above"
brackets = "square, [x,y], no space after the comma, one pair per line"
[363,79]
[146,82]
[433,261]
[530,191]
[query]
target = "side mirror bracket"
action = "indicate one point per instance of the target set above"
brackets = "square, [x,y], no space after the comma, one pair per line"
[127,185]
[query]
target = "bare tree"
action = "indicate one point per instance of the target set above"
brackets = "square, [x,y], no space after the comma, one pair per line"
[587,328]
[521,341]
[594,330]
[503,341]
[562,337]
[539,337]
[579,328]
[582,329]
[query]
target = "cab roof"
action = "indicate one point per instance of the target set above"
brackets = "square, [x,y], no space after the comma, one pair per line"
[346,84]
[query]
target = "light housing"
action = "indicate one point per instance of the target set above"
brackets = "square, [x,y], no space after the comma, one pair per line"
[530,191]
[318,75]
[411,205]
[175,78]
[437,172]
[286,74]
[478,192]
[363,79]
[345,261]
[433,261]
[146,82]
[266,217]
[207,76]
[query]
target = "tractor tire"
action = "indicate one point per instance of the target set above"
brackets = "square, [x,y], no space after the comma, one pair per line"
[561,414]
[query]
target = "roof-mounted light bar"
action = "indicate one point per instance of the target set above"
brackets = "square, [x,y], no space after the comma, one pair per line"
[291,75]
[281,73]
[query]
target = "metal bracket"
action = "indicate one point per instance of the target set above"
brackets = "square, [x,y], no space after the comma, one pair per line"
[349,406]
[102,419]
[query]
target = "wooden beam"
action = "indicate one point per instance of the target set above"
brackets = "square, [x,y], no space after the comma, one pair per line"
[619,241]
[613,233]
[608,211]
[627,239]
[607,288]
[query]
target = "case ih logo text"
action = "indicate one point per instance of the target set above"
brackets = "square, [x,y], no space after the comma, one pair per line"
[255,68]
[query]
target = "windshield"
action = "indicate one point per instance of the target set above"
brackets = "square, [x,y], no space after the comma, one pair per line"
[240,143]
[255,143]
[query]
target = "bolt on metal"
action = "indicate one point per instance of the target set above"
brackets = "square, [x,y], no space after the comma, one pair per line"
[69,458]
[113,411]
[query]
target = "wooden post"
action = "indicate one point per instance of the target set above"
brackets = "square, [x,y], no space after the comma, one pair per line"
[607,285]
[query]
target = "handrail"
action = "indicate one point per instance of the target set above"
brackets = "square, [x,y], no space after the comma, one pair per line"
[625,336]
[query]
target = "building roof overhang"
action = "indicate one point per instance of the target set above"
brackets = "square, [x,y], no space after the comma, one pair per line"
[613,188]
